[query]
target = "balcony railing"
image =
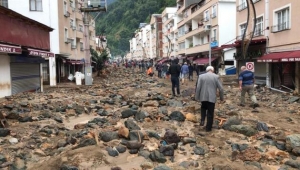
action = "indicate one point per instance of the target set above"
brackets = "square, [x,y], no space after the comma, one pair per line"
[213,39]
[280,27]
[242,6]
[258,32]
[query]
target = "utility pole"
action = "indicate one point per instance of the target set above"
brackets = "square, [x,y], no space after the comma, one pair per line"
[90,6]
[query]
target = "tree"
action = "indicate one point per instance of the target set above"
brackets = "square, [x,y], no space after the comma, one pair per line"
[99,59]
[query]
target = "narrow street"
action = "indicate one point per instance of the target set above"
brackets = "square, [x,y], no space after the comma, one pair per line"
[131,121]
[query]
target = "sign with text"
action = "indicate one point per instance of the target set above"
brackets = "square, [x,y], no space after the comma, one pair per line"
[44,54]
[10,49]
[250,66]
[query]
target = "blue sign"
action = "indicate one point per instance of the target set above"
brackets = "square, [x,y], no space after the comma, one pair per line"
[214,44]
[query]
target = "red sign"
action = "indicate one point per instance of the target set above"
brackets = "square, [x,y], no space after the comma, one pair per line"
[280,60]
[44,54]
[10,49]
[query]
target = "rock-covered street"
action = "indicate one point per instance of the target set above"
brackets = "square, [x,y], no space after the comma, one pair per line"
[128,121]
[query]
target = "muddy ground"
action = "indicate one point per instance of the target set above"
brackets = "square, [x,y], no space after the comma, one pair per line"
[129,121]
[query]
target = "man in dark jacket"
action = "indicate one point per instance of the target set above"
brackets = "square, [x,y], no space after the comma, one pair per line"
[191,70]
[174,71]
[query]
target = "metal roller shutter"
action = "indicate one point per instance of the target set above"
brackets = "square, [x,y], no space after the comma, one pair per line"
[25,77]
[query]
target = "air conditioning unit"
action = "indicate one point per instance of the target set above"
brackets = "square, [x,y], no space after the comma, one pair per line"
[207,27]
[176,50]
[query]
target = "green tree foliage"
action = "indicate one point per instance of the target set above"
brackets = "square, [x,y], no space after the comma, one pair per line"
[123,18]
[99,59]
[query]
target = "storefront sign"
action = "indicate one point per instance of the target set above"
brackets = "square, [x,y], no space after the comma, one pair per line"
[279,60]
[44,54]
[250,54]
[214,44]
[10,49]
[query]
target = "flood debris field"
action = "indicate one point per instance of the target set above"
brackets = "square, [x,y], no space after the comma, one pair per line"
[131,122]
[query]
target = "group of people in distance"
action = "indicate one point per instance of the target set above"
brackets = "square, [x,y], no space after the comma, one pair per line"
[207,86]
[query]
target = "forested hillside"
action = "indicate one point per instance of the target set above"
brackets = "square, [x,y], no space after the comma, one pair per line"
[123,18]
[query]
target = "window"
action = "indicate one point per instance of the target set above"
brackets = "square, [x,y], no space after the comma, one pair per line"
[73,44]
[259,26]
[214,35]
[80,28]
[242,29]
[242,6]
[181,45]
[214,11]
[71,23]
[282,20]
[206,15]
[202,40]
[66,34]
[65,7]
[4,3]
[181,31]
[36,5]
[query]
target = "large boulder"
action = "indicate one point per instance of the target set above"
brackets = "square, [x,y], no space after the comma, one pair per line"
[109,136]
[171,136]
[127,113]
[292,141]
[176,115]
[243,129]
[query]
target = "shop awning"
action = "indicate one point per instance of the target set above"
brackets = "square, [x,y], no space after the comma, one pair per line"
[203,61]
[190,58]
[286,56]
[75,62]
[163,60]
[10,49]
[40,53]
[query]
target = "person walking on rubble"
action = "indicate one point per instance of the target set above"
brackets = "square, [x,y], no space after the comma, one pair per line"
[246,84]
[174,71]
[206,93]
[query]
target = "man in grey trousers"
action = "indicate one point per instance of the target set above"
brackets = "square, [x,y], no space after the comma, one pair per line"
[206,92]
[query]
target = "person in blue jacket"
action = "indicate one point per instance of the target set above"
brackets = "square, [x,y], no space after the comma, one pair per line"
[184,72]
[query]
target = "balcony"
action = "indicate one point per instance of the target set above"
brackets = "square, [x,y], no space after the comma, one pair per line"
[195,31]
[280,27]
[73,46]
[197,49]
[79,34]
[66,14]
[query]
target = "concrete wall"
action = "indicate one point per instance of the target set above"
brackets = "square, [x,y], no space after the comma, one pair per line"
[5,80]
[227,22]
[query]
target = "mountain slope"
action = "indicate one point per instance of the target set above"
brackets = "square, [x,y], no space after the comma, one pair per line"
[123,18]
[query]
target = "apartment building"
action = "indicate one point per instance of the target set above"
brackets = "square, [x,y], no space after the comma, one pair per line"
[275,48]
[139,41]
[204,25]
[156,32]
[67,38]
[168,28]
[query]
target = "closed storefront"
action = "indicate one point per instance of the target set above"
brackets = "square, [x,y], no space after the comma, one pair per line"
[25,73]
[25,77]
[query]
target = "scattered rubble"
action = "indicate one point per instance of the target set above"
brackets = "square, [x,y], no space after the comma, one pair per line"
[130,121]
